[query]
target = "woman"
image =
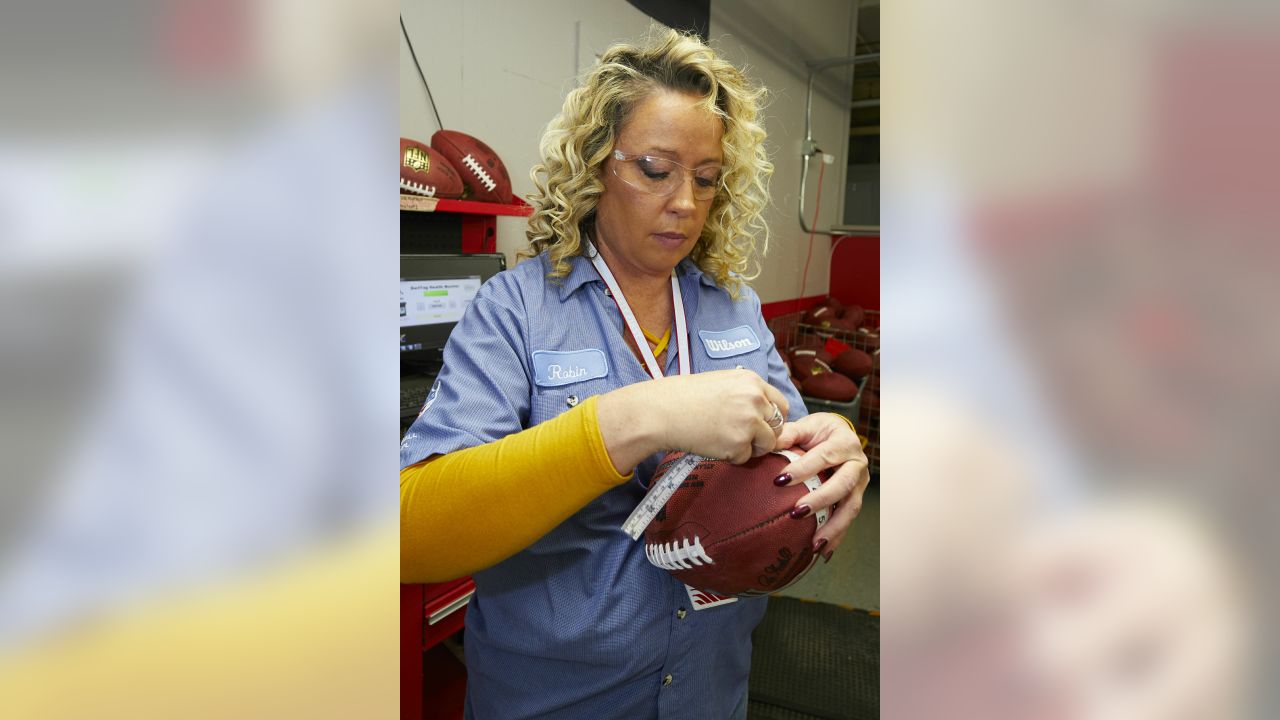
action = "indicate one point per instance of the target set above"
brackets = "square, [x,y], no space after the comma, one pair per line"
[572,374]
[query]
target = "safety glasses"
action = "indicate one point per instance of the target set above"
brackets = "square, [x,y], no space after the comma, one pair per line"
[660,176]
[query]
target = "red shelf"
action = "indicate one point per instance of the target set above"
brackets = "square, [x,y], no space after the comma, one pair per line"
[419,203]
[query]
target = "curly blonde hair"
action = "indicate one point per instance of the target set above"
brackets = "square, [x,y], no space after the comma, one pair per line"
[578,141]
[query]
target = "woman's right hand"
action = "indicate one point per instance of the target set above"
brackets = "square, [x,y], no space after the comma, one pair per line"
[721,414]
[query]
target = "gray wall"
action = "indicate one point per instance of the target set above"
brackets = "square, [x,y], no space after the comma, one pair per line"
[500,71]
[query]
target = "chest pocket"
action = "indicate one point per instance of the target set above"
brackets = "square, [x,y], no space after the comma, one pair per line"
[727,349]
[562,380]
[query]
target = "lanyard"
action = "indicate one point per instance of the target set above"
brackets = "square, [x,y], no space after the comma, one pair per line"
[677,302]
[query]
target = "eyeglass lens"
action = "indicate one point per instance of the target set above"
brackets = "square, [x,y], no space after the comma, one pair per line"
[661,176]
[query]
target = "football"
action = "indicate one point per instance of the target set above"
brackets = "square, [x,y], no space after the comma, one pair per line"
[810,362]
[868,339]
[482,171]
[854,314]
[845,328]
[808,342]
[853,363]
[821,315]
[728,528]
[424,171]
[829,386]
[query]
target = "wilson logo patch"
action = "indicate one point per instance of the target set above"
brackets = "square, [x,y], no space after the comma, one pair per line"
[727,343]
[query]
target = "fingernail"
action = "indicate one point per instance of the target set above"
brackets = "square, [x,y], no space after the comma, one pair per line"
[782,479]
[826,557]
[799,512]
[817,547]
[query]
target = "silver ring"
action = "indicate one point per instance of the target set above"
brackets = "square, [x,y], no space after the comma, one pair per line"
[777,415]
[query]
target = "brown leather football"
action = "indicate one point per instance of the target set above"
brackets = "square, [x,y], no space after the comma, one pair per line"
[853,363]
[853,314]
[810,362]
[482,171]
[728,528]
[807,342]
[424,171]
[830,386]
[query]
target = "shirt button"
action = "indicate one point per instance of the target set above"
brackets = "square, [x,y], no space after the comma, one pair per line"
[571,401]
[666,681]
[680,613]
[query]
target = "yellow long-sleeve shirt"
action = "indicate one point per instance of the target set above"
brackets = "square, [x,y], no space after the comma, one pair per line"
[468,510]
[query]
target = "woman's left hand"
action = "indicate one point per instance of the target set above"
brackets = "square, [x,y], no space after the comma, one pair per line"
[828,442]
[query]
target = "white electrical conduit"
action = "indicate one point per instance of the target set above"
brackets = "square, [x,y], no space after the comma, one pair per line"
[810,148]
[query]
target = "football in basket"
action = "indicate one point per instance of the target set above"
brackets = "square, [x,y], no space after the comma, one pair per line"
[830,386]
[853,314]
[807,342]
[810,362]
[853,363]
[821,315]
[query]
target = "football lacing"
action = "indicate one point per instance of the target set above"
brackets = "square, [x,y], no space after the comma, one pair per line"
[485,180]
[678,555]
[419,188]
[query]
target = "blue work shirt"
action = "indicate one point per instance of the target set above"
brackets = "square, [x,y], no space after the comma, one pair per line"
[580,624]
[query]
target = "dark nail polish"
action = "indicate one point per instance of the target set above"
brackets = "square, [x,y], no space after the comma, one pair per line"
[799,512]
[826,557]
[782,479]
[817,547]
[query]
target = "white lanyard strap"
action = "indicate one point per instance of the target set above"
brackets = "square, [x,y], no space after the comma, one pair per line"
[677,300]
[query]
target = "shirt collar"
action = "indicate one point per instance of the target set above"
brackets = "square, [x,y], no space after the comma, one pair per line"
[581,272]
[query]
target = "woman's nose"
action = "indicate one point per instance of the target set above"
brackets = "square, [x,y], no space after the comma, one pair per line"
[682,199]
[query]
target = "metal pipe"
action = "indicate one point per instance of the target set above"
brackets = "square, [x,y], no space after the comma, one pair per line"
[810,148]
[847,60]
[820,65]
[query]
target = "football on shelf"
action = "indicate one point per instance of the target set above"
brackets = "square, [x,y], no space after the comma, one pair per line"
[424,171]
[728,528]
[482,171]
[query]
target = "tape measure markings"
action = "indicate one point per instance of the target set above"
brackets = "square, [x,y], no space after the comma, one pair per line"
[659,494]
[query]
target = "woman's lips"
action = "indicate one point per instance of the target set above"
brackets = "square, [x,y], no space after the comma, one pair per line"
[671,240]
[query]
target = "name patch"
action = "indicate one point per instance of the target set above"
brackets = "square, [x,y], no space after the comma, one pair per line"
[727,343]
[552,368]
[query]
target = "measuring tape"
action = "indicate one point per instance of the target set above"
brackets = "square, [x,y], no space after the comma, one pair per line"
[659,494]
